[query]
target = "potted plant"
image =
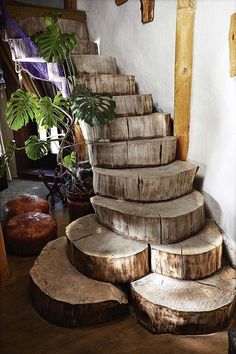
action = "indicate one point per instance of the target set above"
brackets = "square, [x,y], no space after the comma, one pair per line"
[63,112]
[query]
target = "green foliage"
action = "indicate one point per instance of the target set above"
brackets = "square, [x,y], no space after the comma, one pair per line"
[48,114]
[21,109]
[93,108]
[69,161]
[53,45]
[52,19]
[36,148]
[6,157]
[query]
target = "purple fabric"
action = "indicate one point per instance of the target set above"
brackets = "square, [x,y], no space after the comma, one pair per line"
[35,69]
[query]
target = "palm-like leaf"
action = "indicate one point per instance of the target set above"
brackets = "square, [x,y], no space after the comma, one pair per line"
[91,107]
[36,148]
[53,45]
[48,113]
[21,108]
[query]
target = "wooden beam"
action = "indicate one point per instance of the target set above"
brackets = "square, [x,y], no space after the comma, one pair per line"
[70,4]
[120,2]
[183,73]
[232,45]
[26,10]
[4,268]
[147,10]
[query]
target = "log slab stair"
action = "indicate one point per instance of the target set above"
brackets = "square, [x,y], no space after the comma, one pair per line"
[149,229]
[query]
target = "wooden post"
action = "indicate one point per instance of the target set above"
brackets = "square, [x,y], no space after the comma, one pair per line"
[70,4]
[4,268]
[183,73]
[232,45]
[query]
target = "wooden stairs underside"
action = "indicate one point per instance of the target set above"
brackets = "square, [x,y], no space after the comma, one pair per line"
[149,226]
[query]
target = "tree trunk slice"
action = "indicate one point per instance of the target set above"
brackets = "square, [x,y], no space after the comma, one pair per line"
[161,223]
[167,305]
[67,298]
[154,125]
[133,105]
[21,50]
[135,153]
[84,47]
[95,64]
[145,185]
[115,84]
[103,255]
[32,25]
[194,258]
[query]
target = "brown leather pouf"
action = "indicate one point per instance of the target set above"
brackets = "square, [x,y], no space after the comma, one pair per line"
[24,203]
[27,233]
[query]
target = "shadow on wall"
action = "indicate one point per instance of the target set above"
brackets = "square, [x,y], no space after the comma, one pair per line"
[214,211]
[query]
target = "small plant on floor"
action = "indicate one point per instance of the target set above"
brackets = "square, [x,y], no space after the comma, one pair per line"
[64,113]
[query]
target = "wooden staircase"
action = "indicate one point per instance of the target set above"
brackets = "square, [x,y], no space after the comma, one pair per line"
[149,227]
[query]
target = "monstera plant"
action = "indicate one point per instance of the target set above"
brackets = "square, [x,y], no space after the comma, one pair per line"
[64,113]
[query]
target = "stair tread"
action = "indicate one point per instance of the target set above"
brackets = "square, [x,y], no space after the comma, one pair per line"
[148,126]
[145,184]
[127,105]
[115,84]
[208,294]
[55,277]
[95,64]
[205,240]
[168,305]
[108,256]
[194,258]
[134,153]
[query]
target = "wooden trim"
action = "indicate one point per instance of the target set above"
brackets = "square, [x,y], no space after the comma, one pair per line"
[70,4]
[232,45]
[4,267]
[183,74]
[26,10]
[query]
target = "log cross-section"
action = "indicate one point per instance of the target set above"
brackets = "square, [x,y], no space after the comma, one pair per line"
[183,73]
[232,45]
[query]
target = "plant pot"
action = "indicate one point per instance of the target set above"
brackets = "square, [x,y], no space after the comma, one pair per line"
[3,182]
[78,204]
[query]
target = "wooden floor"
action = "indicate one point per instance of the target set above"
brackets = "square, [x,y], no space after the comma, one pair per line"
[23,331]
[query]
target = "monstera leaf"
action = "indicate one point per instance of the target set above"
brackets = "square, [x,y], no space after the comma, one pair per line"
[93,108]
[36,148]
[21,108]
[69,161]
[53,45]
[48,113]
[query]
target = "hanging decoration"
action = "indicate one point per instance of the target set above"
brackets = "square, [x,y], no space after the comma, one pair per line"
[147,9]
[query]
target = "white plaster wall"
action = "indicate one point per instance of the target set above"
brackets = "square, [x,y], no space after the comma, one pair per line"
[148,52]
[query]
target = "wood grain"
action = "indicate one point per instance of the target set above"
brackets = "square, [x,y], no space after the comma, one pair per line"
[114,84]
[232,45]
[183,74]
[95,64]
[147,10]
[133,105]
[103,255]
[167,305]
[4,267]
[162,223]
[67,298]
[153,125]
[195,258]
[135,153]
[145,185]
[32,25]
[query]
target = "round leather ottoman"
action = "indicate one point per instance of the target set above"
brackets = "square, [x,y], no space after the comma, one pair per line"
[23,203]
[27,233]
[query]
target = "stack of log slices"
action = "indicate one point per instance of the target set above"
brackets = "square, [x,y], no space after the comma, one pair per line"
[28,227]
[149,229]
